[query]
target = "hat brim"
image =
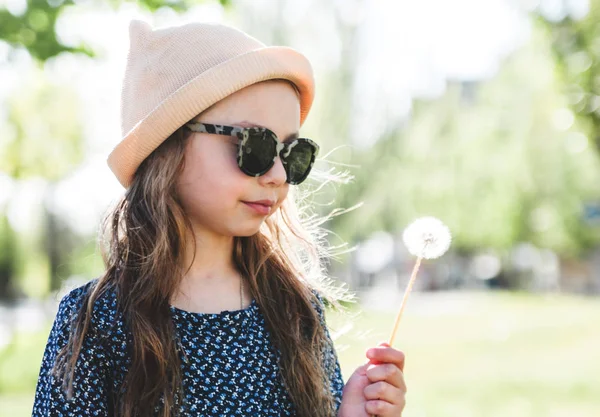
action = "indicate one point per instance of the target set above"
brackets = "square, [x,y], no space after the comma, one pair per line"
[209,87]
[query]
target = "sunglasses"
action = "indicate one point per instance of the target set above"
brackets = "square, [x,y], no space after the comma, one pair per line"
[258,148]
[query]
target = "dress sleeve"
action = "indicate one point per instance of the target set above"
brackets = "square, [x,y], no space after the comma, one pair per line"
[331,361]
[90,397]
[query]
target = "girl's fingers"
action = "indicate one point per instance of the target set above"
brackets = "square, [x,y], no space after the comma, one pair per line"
[380,408]
[387,372]
[386,354]
[385,392]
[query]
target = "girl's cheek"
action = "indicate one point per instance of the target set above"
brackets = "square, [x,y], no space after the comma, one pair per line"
[230,154]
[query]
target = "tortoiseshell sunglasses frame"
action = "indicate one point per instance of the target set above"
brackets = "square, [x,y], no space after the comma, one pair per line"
[283,149]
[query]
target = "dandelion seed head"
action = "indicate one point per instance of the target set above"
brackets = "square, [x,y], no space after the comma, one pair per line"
[427,237]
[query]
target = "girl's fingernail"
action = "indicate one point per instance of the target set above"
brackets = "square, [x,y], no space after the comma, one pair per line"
[370,353]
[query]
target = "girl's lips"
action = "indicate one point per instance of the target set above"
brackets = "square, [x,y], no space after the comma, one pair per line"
[259,208]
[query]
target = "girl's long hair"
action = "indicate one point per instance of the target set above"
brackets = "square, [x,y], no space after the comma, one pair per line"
[142,243]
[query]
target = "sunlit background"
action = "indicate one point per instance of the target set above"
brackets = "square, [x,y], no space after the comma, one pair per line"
[483,113]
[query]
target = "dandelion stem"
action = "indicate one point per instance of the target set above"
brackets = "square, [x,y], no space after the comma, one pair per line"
[404,298]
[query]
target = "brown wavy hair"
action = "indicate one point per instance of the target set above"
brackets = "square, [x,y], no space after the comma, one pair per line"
[142,244]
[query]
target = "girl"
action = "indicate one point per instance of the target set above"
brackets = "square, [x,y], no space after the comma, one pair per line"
[210,304]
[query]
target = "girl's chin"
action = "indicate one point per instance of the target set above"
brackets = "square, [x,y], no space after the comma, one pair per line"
[248,231]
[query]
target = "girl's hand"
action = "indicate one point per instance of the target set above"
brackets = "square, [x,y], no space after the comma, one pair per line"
[377,387]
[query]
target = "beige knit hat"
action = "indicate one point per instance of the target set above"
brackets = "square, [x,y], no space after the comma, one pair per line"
[175,73]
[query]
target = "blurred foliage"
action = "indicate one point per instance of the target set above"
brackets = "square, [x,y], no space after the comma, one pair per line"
[44,132]
[576,45]
[35,28]
[492,160]
[8,254]
[43,139]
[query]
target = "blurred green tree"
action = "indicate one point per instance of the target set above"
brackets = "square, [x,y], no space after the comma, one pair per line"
[494,160]
[7,259]
[576,47]
[35,28]
[45,141]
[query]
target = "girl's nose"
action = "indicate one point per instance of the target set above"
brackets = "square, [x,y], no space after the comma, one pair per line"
[276,175]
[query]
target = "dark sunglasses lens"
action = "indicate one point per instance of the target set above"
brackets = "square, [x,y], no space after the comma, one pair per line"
[298,162]
[257,152]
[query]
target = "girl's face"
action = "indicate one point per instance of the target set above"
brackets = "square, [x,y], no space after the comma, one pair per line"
[212,188]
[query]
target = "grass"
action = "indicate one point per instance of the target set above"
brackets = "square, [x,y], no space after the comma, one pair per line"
[16,405]
[467,354]
[487,354]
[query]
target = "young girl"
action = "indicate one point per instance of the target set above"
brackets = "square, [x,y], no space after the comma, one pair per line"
[210,304]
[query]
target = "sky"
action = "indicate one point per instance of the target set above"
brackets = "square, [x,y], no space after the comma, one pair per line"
[405,50]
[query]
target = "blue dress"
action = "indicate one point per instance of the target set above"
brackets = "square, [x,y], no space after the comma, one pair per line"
[229,366]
